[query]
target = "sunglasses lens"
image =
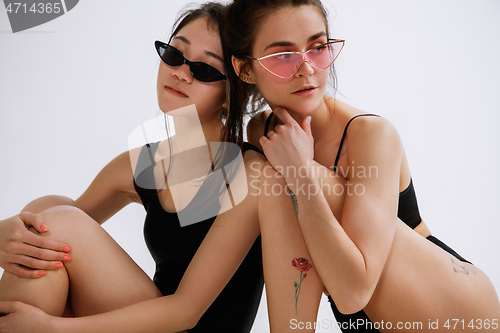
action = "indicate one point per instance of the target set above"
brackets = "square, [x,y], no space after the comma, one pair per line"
[283,65]
[321,57]
[170,55]
[286,64]
[205,73]
[200,71]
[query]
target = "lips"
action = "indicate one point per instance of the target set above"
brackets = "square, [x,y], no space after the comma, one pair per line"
[305,90]
[177,91]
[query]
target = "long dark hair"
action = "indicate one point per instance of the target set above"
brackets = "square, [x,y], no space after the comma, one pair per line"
[242,20]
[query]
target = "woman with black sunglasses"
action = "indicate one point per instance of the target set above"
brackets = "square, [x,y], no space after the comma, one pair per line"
[337,204]
[184,183]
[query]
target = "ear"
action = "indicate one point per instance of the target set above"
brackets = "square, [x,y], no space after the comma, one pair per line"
[240,70]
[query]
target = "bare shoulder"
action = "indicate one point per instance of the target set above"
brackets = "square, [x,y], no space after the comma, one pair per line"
[256,127]
[373,128]
[367,137]
[363,128]
[111,190]
[131,157]
[125,164]
[374,138]
[254,162]
[118,175]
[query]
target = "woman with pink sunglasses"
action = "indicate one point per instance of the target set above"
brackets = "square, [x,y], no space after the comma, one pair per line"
[337,204]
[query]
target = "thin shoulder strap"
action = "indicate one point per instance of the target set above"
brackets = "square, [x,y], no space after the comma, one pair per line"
[268,121]
[249,146]
[147,156]
[344,135]
[143,175]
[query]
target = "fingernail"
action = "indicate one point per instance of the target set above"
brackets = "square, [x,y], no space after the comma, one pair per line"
[59,265]
[42,273]
[67,258]
[309,119]
[44,228]
[67,249]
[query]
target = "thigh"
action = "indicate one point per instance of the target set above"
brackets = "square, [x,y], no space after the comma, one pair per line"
[102,277]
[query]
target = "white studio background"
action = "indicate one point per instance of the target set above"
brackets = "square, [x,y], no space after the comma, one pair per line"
[73,89]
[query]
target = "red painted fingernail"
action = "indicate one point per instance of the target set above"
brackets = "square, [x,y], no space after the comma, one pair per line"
[42,273]
[67,249]
[44,228]
[66,258]
[59,265]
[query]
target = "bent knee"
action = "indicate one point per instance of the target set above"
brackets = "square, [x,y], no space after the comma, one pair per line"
[63,217]
[62,211]
[48,201]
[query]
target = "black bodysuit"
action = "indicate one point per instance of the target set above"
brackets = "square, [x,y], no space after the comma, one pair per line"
[407,212]
[173,247]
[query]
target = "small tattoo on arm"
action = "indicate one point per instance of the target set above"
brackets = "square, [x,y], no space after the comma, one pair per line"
[303,266]
[461,268]
[294,200]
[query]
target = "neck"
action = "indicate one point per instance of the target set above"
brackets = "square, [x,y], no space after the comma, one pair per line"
[193,131]
[320,118]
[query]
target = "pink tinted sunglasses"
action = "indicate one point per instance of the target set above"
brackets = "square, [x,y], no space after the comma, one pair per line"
[285,64]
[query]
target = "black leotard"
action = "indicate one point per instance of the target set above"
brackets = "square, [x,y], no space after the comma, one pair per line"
[407,212]
[173,247]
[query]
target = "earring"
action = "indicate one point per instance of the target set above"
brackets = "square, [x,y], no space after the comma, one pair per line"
[245,78]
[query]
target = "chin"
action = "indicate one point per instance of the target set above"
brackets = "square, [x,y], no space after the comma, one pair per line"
[305,107]
[299,105]
[168,105]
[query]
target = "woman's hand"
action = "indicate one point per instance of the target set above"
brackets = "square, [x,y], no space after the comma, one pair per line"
[21,317]
[26,254]
[290,147]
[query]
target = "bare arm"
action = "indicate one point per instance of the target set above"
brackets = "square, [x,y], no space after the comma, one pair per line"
[111,190]
[350,253]
[361,241]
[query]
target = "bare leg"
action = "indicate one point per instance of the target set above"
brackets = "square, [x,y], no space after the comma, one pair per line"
[39,205]
[23,252]
[293,295]
[101,277]
[49,294]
